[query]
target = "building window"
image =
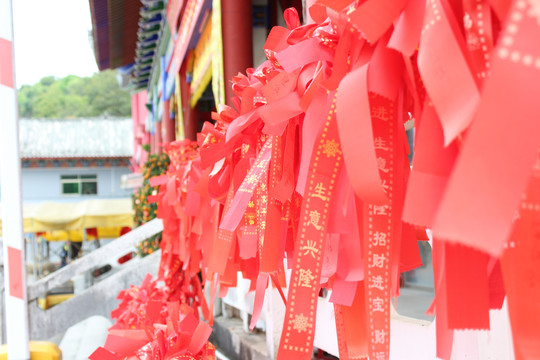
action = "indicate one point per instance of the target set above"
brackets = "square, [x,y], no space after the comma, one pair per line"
[78,184]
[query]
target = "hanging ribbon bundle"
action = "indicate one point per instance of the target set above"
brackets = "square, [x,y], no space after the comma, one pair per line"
[474,156]
[321,122]
[309,168]
[157,322]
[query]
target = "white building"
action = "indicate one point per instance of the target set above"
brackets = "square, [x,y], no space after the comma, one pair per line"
[74,159]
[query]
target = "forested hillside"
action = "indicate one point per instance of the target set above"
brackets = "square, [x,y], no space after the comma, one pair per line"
[73,97]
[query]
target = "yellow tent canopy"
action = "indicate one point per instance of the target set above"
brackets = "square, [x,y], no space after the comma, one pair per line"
[96,213]
[77,235]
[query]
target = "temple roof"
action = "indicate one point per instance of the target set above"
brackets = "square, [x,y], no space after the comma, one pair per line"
[91,137]
[115,25]
[126,34]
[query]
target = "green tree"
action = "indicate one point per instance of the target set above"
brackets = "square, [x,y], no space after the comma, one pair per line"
[106,97]
[49,104]
[73,96]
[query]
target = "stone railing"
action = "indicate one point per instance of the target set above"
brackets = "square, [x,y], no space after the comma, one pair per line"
[95,258]
[98,299]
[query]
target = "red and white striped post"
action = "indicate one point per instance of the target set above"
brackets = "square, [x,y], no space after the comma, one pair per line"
[10,182]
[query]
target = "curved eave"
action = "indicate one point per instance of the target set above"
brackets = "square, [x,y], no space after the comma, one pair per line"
[115,26]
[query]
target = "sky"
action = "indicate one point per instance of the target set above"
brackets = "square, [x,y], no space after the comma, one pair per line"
[51,37]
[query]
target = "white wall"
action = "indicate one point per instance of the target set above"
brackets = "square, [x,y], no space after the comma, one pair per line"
[412,339]
[43,184]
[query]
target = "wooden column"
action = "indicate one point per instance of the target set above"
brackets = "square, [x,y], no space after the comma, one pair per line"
[237,40]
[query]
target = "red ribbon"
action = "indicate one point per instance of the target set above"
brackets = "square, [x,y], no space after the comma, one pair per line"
[297,338]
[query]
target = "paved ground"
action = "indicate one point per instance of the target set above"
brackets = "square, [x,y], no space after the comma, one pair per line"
[83,338]
[414,302]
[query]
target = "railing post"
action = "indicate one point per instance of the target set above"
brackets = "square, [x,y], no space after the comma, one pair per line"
[2,312]
[10,170]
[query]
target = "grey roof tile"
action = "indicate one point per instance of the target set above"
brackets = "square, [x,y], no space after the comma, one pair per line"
[90,137]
